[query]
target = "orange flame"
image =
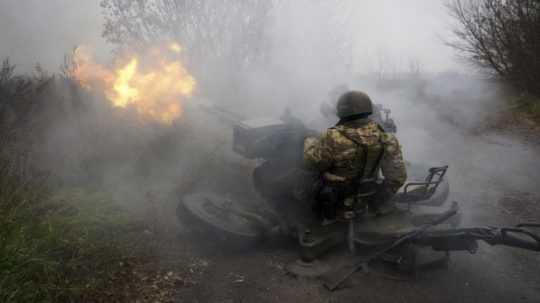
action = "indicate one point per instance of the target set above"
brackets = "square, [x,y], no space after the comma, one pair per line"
[155,90]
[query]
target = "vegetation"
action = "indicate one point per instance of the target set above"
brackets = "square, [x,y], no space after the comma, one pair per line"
[62,239]
[226,42]
[69,247]
[229,36]
[526,106]
[503,37]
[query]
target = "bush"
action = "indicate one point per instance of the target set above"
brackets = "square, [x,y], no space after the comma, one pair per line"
[527,106]
[62,237]
[502,36]
[57,243]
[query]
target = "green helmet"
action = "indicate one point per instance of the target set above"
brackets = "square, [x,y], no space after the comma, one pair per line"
[354,103]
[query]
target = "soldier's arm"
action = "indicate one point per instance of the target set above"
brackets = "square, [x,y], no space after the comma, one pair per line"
[318,153]
[392,165]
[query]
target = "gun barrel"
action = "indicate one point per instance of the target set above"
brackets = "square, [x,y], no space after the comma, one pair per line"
[224,115]
[466,238]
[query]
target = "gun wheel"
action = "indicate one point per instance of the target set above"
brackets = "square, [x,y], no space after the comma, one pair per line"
[219,216]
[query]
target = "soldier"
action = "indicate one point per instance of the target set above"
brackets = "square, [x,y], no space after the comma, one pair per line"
[349,157]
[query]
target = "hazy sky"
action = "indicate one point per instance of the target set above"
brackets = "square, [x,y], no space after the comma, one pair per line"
[405,31]
[42,31]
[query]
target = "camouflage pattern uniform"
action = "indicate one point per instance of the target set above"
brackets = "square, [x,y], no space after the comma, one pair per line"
[341,152]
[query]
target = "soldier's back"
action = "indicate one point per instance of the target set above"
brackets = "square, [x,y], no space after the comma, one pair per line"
[356,148]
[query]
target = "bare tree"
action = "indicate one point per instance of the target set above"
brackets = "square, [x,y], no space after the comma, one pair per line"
[211,30]
[502,36]
[226,42]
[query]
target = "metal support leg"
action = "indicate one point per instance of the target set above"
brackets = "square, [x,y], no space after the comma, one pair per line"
[350,237]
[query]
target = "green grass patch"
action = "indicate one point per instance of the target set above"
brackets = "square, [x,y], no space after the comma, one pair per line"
[70,246]
[527,106]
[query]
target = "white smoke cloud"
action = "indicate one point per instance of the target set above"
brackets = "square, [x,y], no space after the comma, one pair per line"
[35,31]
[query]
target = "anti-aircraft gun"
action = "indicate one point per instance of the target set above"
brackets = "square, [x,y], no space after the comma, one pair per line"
[425,218]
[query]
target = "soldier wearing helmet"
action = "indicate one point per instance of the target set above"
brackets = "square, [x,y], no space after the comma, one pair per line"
[352,155]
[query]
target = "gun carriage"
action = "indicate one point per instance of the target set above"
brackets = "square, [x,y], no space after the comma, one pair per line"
[424,219]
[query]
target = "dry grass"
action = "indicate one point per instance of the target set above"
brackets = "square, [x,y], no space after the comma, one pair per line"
[528,107]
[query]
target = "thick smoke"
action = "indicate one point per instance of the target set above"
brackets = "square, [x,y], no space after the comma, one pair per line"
[390,49]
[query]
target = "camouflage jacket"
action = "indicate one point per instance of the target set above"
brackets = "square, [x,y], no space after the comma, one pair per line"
[342,149]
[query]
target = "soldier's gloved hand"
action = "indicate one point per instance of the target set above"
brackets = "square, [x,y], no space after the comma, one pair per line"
[333,178]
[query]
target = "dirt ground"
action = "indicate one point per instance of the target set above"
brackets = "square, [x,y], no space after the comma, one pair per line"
[493,274]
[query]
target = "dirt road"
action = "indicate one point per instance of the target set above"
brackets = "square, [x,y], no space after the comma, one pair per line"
[494,274]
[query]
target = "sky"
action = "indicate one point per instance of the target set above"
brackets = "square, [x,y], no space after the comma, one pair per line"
[41,31]
[44,31]
[412,30]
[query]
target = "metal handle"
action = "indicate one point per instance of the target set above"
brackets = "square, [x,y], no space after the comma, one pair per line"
[433,172]
[509,240]
[533,225]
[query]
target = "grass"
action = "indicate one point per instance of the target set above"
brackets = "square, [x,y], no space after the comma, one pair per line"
[58,243]
[68,246]
[527,106]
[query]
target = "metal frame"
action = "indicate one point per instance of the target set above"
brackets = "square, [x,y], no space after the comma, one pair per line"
[438,172]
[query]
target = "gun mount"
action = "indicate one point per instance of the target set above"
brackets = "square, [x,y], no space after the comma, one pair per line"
[423,219]
[381,114]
